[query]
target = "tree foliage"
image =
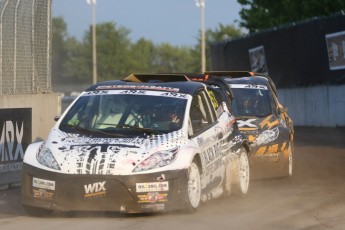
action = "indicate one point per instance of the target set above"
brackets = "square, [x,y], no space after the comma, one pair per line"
[59,35]
[263,14]
[118,56]
[219,34]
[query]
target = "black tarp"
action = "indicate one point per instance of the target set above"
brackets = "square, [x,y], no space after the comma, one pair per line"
[296,54]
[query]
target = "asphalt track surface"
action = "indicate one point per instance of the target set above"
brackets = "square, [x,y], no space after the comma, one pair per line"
[314,198]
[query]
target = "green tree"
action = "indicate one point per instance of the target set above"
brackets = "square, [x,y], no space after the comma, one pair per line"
[113,48]
[171,59]
[66,53]
[263,14]
[117,56]
[141,56]
[223,32]
[77,64]
[59,36]
[219,34]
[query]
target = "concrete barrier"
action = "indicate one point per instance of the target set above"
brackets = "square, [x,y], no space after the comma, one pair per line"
[38,110]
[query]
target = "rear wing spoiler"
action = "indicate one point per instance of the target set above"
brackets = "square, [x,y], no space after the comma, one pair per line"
[156,78]
[239,74]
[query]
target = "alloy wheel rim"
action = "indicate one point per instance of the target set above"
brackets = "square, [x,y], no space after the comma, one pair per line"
[244,173]
[194,186]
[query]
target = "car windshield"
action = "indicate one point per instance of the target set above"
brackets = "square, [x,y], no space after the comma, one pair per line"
[251,101]
[124,114]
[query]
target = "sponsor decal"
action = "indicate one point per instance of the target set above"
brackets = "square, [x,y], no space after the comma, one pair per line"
[156,207]
[43,184]
[134,92]
[95,189]
[95,93]
[153,197]
[266,137]
[152,187]
[15,136]
[200,141]
[42,194]
[269,122]
[231,122]
[248,86]
[247,123]
[137,87]
[213,99]
[271,152]
[212,153]
[178,95]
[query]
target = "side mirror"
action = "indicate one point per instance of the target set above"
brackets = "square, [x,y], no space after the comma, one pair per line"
[282,110]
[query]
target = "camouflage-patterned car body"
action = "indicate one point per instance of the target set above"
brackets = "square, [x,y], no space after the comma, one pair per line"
[271,134]
[89,163]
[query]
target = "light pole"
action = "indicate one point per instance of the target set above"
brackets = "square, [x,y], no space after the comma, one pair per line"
[94,52]
[201,5]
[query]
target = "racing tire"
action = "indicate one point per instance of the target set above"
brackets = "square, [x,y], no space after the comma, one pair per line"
[242,175]
[193,188]
[37,212]
[289,168]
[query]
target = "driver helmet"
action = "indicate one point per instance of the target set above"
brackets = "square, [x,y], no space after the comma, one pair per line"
[248,103]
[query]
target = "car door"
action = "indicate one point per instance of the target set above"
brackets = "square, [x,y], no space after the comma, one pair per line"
[207,135]
[278,126]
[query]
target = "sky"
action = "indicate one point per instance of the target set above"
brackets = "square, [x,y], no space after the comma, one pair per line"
[176,22]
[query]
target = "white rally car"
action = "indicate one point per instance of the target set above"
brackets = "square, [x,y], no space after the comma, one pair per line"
[138,145]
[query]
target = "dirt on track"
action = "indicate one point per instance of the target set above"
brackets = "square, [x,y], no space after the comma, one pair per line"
[314,198]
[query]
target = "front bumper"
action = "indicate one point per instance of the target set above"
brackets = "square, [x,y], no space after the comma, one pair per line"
[154,192]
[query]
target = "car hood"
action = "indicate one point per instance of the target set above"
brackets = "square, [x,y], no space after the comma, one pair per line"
[259,131]
[77,154]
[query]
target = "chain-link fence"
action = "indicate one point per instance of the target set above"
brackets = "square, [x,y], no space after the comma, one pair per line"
[25,43]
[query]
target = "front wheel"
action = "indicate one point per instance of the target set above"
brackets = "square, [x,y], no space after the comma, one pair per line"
[290,162]
[242,176]
[193,188]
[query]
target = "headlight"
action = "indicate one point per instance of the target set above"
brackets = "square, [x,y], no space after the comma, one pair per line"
[157,160]
[46,158]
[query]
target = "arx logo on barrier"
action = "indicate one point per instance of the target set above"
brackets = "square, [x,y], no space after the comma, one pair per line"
[11,148]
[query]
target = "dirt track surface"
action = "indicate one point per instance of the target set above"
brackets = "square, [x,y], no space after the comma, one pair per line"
[314,198]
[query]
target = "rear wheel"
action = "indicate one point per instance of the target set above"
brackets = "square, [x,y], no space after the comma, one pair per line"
[193,188]
[242,176]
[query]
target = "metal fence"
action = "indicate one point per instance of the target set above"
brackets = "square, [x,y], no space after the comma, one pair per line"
[322,106]
[25,46]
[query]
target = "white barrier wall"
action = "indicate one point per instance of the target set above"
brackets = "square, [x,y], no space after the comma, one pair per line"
[322,106]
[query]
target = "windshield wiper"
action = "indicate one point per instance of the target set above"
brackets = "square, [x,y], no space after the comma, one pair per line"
[132,127]
[246,117]
[93,131]
[108,133]
[78,128]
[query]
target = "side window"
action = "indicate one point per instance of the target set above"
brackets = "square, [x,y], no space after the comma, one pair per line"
[216,101]
[200,113]
[274,102]
[82,113]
